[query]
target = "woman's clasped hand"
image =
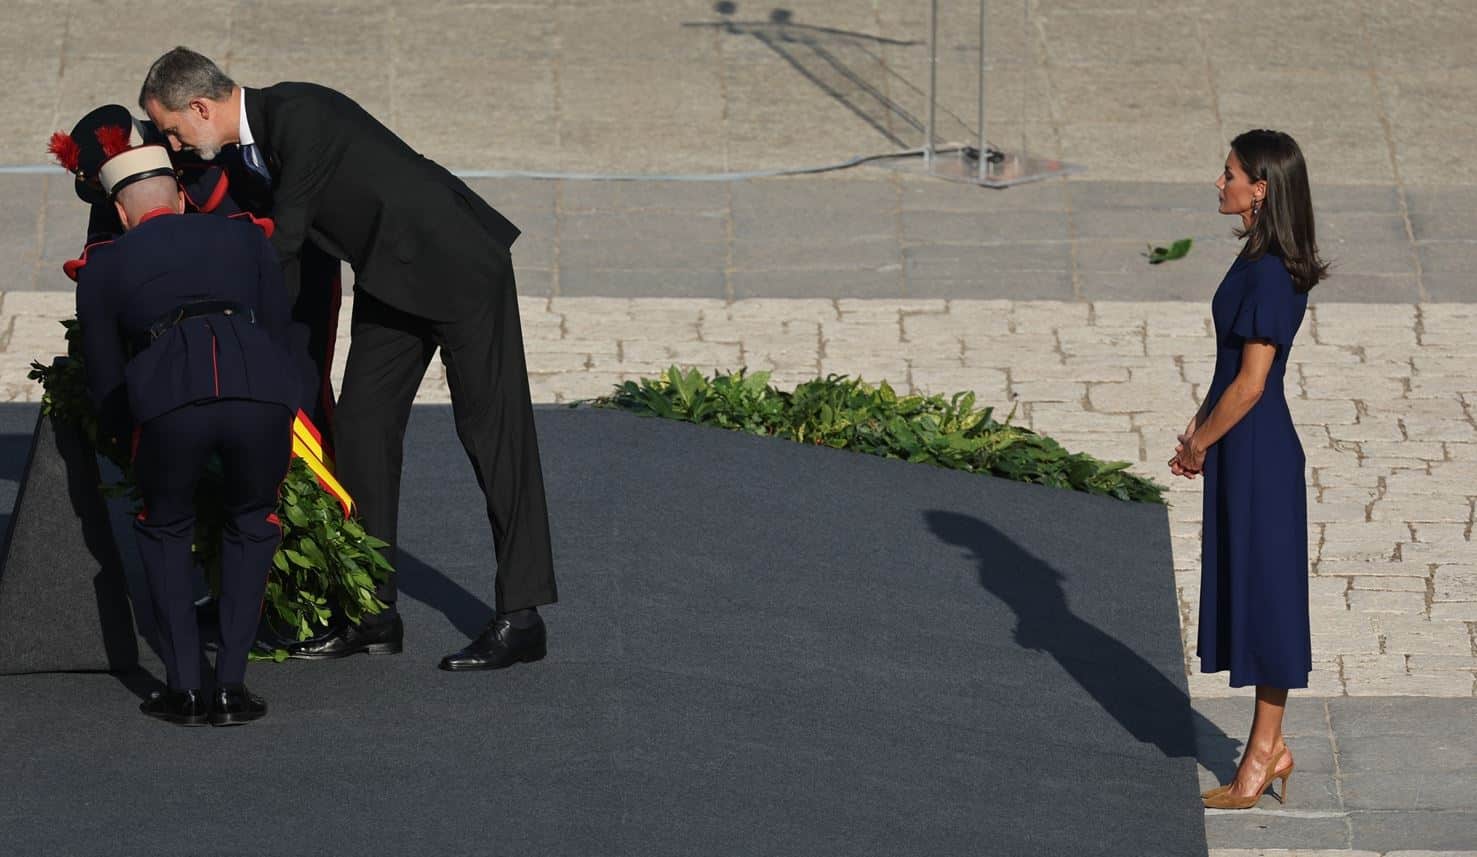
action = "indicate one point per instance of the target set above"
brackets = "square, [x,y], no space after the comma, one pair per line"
[1187,460]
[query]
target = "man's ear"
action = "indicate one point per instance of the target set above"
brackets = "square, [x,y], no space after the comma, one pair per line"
[180,205]
[122,214]
[201,107]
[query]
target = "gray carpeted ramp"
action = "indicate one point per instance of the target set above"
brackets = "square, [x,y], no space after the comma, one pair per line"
[763,649]
[59,557]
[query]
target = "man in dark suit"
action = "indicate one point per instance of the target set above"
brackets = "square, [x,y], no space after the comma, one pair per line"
[432,270]
[185,334]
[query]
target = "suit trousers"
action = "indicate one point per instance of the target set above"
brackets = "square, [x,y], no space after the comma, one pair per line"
[389,351]
[254,442]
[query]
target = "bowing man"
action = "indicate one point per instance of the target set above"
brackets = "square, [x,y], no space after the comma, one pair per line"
[432,270]
[184,335]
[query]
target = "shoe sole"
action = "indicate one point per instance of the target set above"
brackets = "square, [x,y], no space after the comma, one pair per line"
[521,659]
[372,649]
[202,720]
[235,719]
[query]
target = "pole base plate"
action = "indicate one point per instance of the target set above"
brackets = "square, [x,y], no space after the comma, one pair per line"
[1002,169]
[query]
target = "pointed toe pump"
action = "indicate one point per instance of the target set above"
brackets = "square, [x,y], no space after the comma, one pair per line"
[1222,798]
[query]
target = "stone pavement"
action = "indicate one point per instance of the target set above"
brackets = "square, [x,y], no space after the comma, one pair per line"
[873,233]
[1037,297]
[1378,91]
[1379,774]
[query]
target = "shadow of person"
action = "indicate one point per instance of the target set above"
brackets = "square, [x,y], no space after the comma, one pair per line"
[425,584]
[121,639]
[1146,703]
[14,450]
[140,682]
[851,67]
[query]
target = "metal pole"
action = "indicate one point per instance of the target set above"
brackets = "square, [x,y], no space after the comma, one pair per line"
[984,162]
[933,80]
[1026,85]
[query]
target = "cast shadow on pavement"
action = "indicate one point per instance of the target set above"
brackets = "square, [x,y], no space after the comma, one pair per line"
[118,633]
[1146,703]
[849,66]
[429,586]
[14,450]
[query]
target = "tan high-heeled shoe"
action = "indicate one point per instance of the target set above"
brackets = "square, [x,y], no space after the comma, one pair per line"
[1223,799]
[1284,753]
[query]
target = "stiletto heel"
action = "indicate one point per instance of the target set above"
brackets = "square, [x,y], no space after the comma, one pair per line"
[1286,775]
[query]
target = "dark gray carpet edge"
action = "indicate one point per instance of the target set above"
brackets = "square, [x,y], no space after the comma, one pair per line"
[762,648]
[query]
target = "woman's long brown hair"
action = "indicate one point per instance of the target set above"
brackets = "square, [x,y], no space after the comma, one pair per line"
[1284,226]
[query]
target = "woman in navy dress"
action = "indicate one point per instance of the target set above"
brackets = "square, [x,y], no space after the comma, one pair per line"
[1254,570]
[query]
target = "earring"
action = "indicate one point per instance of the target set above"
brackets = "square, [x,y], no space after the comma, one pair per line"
[1256,206]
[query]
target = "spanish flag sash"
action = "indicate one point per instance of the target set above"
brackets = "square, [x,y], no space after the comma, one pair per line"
[307,444]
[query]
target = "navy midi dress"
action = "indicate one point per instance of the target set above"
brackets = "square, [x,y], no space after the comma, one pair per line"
[1254,567]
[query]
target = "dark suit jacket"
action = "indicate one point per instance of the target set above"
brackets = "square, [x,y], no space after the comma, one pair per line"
[418,238]
[152,269]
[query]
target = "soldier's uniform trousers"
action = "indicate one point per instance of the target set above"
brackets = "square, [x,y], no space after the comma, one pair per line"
[254,442]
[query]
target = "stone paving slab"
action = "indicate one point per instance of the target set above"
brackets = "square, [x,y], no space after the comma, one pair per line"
[1383,396]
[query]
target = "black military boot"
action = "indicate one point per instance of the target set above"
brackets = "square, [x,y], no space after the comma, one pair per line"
[180,707]
[233,704]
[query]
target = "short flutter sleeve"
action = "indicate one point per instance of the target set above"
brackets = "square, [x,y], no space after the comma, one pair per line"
[1271,308]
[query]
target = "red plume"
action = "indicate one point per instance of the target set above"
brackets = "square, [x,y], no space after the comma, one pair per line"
[65,150]
[114,139]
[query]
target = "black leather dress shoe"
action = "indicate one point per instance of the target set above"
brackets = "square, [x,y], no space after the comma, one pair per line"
[181,707]
[501,645]
[233,704]
[386,638]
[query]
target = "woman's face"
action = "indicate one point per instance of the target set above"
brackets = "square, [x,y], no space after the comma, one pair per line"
[1236,188]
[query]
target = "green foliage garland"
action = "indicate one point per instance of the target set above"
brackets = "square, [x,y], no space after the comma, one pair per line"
[325,563]
[846,413]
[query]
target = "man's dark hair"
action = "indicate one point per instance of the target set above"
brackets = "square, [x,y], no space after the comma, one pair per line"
[181,75]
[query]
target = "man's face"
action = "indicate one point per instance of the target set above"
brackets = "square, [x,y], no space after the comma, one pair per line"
[188,130]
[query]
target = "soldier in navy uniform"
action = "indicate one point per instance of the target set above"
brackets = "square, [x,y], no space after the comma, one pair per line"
[313,286]
[185,336]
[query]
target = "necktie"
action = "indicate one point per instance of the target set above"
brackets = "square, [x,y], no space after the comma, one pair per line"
[251,155]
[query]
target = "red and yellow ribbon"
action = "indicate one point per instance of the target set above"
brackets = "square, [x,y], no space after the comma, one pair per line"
[307,444]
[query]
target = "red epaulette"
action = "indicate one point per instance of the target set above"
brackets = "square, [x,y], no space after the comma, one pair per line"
[217,193]
[72,266]
[264,223]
